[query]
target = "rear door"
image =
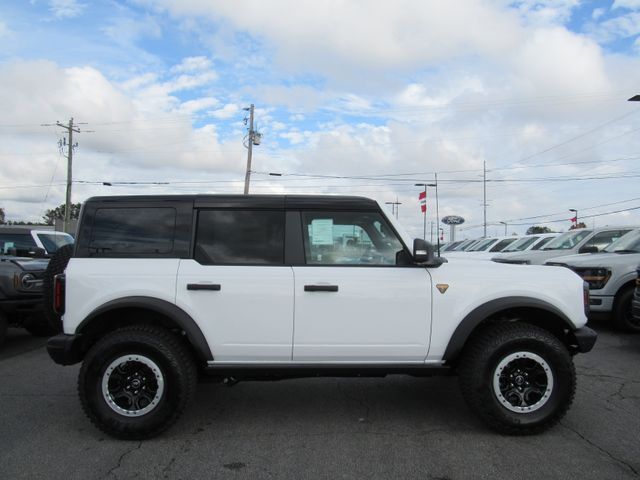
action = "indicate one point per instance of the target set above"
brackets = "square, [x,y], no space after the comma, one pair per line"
[237,285]
[358,298]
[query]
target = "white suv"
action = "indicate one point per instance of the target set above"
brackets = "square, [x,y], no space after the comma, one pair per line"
[160,289]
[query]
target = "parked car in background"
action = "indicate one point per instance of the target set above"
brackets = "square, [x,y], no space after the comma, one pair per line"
[23,260]
[583,240]
[521,244]
[611,276]
[484,246]
[25,238]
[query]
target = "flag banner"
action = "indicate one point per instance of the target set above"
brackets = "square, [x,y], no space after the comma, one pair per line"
[423,201]
[574,219]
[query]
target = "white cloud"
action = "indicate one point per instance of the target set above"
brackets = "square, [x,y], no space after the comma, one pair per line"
[348,35]
[228,111]
[622,26]
[66,8]
[630,4]
[192,64]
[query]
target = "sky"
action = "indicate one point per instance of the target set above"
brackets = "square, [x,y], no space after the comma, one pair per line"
[358,97]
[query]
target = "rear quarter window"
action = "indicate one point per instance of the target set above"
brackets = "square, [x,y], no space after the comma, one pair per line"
[124,231]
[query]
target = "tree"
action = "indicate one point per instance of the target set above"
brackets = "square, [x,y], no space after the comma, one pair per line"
[578,225]
[1,216]
[57,213]
[537,229]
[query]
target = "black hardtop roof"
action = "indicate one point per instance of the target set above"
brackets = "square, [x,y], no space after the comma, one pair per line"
[253,201]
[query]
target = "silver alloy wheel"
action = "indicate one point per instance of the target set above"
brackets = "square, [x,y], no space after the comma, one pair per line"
[132,385]
[523,382]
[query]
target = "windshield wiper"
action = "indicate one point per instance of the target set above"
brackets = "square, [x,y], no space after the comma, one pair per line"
[626,251]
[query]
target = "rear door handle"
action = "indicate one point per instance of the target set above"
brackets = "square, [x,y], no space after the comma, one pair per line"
[204,286]
[321,288]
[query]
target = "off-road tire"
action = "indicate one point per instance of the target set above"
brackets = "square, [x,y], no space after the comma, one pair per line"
[57,264]
[622,315]
[492,347]
[157,346]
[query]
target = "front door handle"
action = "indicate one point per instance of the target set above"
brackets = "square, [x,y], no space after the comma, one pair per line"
[204,286]
[321,288]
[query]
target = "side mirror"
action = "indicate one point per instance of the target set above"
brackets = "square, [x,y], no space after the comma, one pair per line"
[423,254]
[588,249]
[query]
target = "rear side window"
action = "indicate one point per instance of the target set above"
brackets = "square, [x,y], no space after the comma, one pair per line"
[240,237]
[125,231]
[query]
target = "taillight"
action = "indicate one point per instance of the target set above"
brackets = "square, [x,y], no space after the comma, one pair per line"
[58,293]
[585,297]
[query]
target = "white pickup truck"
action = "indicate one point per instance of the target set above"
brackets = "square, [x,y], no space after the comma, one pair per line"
[162,289]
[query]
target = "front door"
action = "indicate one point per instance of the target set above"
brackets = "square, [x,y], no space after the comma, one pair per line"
[358,298]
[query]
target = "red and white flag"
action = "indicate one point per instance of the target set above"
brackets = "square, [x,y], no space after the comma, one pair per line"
[423,201]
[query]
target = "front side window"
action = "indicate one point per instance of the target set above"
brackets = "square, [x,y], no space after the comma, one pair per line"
[349,238]
[135,230]
[240,237]
[603,239]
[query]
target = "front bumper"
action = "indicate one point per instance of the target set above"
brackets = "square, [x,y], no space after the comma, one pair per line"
[601,303]
[582,340]
[66,349]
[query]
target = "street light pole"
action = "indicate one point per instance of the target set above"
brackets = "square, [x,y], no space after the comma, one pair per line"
[424,220]
[505,228]
[576,217]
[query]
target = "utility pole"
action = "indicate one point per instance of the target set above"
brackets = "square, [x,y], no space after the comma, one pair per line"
[253,138]
[70,129]
[484,203]
[395,206]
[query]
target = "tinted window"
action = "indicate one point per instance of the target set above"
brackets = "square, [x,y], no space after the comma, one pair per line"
[498,247]
[20,241]
[541,243]
[133,230]
[240,237]
[53,241]
[603,239]
[349,238]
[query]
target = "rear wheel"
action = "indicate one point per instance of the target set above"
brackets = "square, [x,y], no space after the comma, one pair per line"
[518,378]
[135,382]
[622,313]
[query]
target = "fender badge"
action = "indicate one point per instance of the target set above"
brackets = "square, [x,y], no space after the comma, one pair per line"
[442,287]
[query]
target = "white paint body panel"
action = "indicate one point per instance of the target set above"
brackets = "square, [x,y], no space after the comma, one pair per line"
[92,282]
[378,314]
[250,318]
[472,284]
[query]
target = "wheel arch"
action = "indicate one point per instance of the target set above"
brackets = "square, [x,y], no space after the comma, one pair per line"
[144,310]
[532,310]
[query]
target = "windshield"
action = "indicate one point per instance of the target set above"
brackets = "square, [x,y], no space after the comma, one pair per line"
[626,243]
[520,244]
[53,241]
[483,245]
[567,240]
[462,246]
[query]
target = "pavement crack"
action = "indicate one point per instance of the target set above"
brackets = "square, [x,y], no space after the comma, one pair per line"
[598,447]
[127,452]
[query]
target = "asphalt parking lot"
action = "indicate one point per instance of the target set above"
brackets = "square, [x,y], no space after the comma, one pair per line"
[394,427]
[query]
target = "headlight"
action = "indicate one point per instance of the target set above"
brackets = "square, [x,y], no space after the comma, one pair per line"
[27,281]
[597,278]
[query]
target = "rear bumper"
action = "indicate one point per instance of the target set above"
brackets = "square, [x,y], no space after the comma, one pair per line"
[66,349]
[583,339]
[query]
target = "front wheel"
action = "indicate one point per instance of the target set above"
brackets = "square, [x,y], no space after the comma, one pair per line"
[623,317]
[135,382]
[518,378]
[4,326]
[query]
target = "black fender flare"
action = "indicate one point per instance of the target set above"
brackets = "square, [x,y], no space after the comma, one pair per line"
[469,323]
[183,320]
